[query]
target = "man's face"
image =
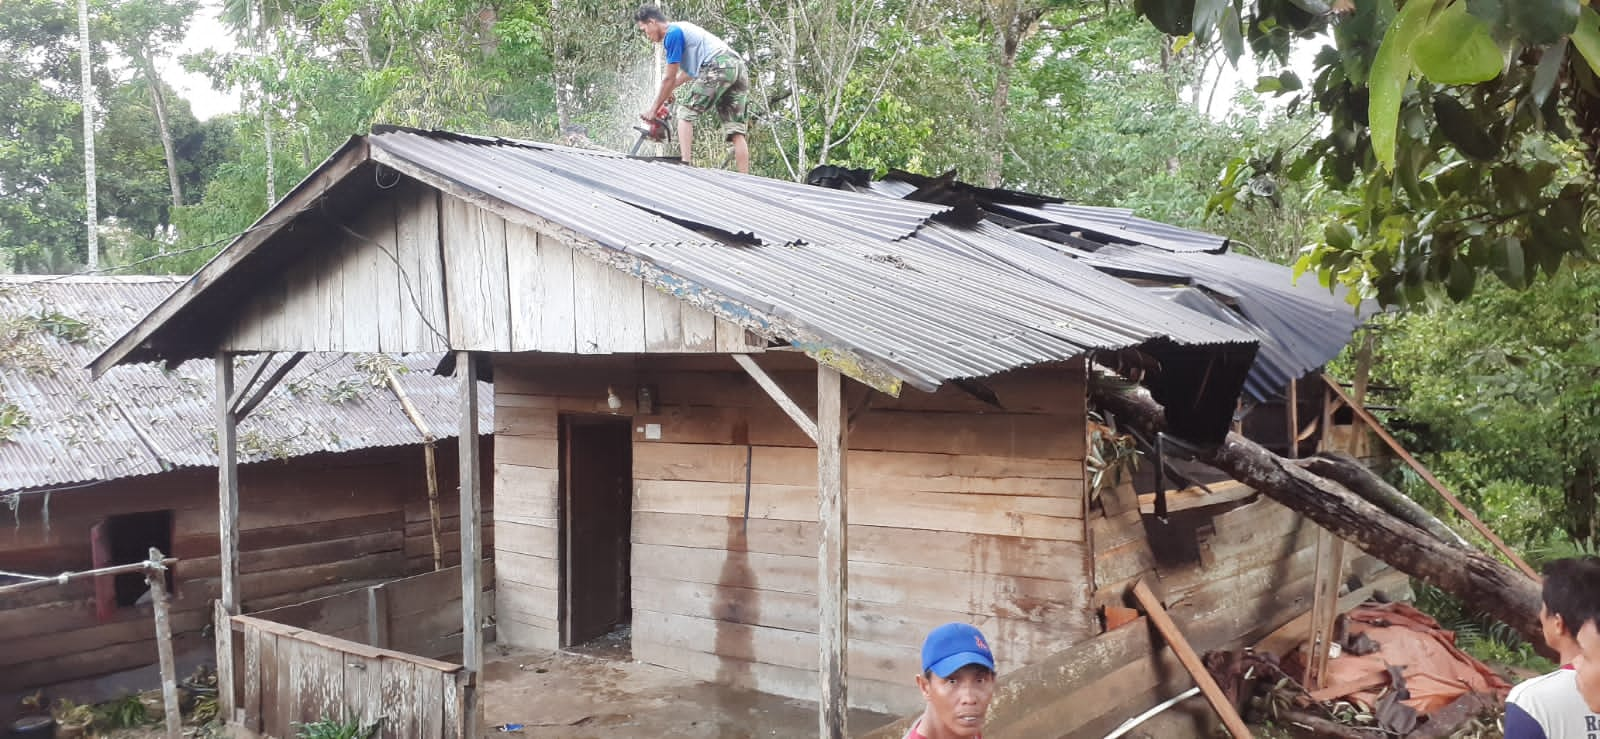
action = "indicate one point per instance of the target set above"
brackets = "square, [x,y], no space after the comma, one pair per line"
[653,30]
[958,704]
[1589,665]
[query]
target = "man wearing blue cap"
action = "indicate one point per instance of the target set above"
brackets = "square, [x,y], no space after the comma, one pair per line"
[957,683]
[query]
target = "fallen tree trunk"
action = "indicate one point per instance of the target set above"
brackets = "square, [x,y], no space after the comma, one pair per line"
[1485,583]
[1356,478]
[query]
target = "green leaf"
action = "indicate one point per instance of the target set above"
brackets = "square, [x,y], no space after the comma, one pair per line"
[1462,277]
[1172,17]
[1206,15]
[1390,72]
[1508,262]
[1456,49]
[1462,128]
[1542,22]
[1339,236]
[1548,72]
[1586,37]
[1232,36]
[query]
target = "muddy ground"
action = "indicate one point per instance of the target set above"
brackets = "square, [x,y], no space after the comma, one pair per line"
[603,694]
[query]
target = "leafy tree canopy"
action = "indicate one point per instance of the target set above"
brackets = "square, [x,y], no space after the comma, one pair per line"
[1460,133]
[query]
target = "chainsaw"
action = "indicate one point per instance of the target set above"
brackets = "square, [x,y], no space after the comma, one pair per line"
[659,129]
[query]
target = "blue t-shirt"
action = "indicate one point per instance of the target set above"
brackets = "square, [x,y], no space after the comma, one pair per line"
[1550,707]
[688,46]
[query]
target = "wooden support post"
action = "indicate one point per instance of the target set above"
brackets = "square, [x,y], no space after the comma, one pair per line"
[377,616]
[1433,482]
[778,395]
[1191,660]
[1325,588]
[1291,413]
[832,559]
[155,574]
[227,533]
[1324,606]
[428,464]
[471,533]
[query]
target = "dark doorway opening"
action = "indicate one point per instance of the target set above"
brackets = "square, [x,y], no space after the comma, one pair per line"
[125,539]
[597,511]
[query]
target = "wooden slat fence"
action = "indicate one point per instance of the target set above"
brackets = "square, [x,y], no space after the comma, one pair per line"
[293,676]
[418,615]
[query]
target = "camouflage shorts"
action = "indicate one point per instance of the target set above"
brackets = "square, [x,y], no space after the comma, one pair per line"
[724,85]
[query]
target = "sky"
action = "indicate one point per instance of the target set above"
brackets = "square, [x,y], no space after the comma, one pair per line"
[205,32]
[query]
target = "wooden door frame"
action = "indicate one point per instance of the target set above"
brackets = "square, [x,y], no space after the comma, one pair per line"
[564,591]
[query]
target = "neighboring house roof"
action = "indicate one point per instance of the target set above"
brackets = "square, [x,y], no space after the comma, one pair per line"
[65,429]
[1300,325]
[857,281]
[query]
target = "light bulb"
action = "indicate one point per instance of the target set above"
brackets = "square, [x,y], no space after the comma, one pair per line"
[612,401]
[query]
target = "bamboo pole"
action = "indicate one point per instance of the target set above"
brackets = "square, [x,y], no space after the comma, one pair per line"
[66,577]
[155,573]
[430,464]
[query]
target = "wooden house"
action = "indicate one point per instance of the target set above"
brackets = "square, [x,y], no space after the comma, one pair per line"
[779,431]
[95,473]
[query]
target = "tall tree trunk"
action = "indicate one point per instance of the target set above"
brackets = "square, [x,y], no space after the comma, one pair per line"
[1495,588]
[90,204]
[998,103]
[1014,21]
[158,101]
[1580,494]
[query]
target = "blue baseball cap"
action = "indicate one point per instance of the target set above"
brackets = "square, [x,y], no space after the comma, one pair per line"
[954,646]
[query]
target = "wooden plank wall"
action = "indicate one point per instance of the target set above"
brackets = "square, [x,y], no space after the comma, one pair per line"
[424,271]
[311,527]
[294,676]
[958,510]
[418,615]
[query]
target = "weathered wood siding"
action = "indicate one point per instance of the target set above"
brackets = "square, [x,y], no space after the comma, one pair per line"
[292,676]
[423,271]
[310,527]
[958,510]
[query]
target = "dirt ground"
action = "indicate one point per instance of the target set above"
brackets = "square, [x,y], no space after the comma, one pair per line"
[603,694]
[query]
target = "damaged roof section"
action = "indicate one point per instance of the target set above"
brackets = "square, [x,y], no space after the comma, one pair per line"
[59,428]
[1300,326]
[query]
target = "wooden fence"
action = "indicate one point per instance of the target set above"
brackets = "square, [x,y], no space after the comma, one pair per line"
[418,615]
[295,676]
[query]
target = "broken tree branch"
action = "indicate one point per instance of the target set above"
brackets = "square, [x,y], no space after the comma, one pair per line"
[1476,578]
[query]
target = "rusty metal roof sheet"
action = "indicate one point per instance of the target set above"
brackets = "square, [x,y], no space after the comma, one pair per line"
[142,419]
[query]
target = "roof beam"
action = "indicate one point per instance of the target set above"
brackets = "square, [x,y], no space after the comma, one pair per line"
[242,405]
[778,395]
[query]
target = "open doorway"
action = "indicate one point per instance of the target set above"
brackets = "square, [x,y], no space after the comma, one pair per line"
[596,508]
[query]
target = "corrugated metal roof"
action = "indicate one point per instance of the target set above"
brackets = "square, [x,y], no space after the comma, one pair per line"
[142,419]
[1303,324]
[876,279]
[1300,326]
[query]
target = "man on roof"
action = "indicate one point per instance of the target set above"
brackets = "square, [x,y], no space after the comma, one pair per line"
[715,74]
